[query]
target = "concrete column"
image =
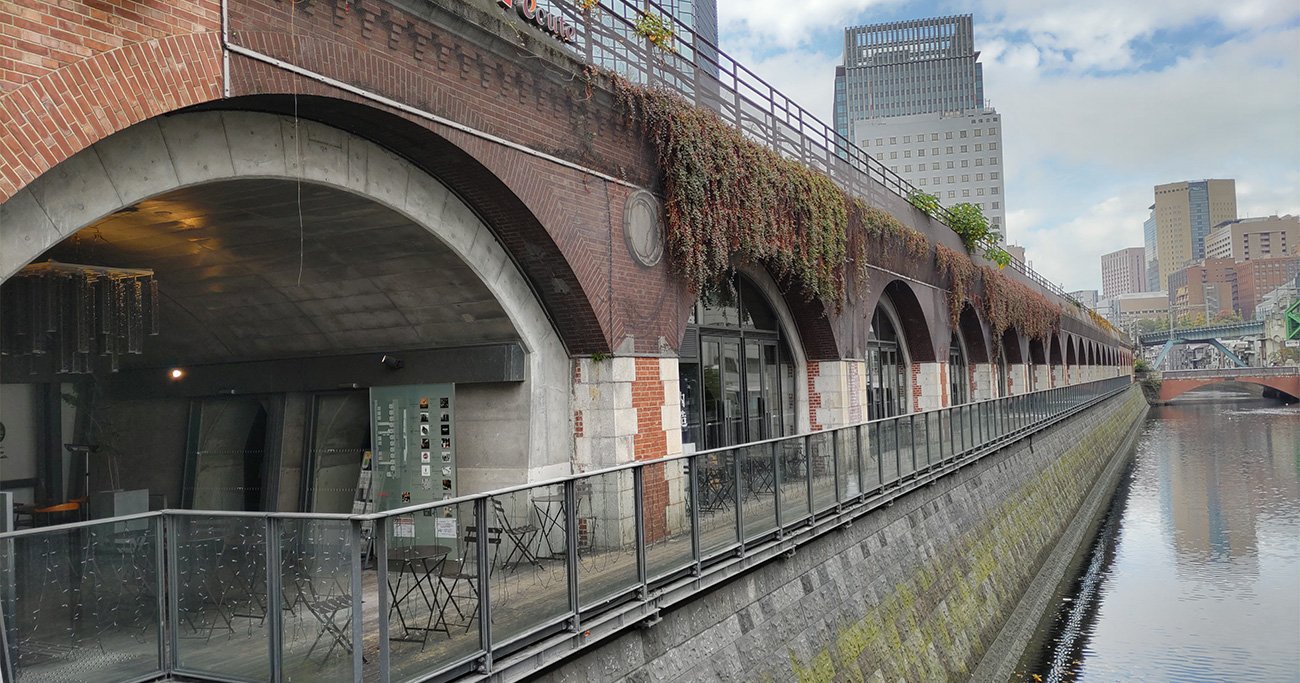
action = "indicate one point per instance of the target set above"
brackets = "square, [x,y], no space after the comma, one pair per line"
[929,385]
[837,391]
[984,381]
[1018,374]
[604,418]
[1042,377]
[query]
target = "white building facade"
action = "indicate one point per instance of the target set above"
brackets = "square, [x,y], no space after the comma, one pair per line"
[955,156]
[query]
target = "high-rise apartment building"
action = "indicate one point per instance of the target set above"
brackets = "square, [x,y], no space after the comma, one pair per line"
[1149,241]
[911,93]
[923,66]
[1123,272]
[1184,214]
[1255,238]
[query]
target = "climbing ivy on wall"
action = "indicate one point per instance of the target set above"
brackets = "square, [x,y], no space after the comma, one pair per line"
[727,197]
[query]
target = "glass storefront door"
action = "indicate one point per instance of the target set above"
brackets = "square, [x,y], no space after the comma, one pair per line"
[227,454]
[340,436]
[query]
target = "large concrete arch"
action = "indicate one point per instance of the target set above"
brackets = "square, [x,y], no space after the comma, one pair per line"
[1173,388]
[168,153]
[973,335]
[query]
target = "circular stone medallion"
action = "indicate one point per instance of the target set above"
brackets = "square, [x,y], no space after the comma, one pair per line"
[642,229]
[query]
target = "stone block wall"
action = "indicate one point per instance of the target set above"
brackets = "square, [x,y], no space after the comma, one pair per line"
[913,592]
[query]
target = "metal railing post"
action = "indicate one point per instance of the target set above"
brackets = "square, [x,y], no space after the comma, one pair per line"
[571,550]
[358,634]
[274,615]
[776,489]
[165,600]
[693,482]
[638,493]
[380,533]
[484,584]
[170,558]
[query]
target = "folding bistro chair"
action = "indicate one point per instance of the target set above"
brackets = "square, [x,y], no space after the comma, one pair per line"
[521,537]
[325,607]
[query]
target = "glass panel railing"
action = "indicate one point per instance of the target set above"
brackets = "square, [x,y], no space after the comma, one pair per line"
[821,467]
[316,588]
[870,457]
[431,590]
[906,446]
[847,458]
[607,536]
[792,465]
[83,601]
[758,490]
[890,453]
[529,580]
[221,596]
[666,496]
[716,489]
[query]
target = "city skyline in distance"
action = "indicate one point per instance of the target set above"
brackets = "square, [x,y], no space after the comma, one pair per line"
[1100,103]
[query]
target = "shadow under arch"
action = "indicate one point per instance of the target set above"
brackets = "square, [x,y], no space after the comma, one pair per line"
[493,198]
[912,324]
[972,335]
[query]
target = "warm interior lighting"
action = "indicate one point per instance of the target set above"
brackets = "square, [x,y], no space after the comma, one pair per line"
[176,373]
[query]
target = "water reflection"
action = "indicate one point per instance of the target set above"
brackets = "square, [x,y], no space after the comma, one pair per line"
[1204,582]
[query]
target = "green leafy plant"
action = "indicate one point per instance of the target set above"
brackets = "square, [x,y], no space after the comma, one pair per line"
[728,197]
[1141,365]
[926,202]
[586,5]
[968,221]
[654,29]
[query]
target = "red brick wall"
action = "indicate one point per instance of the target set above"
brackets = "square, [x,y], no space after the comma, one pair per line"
[73,72]
[814,396]
[651,443]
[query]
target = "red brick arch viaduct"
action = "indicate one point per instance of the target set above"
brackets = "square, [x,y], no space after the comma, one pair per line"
[503,117]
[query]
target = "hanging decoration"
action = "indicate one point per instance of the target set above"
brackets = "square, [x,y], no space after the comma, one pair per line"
[60,316]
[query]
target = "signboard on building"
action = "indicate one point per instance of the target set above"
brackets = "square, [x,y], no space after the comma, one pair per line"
[550,21]
[414,459]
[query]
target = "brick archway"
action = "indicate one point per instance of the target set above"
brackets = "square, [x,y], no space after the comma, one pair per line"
[46,120]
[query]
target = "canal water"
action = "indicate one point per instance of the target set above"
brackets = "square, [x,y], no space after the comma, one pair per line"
[1195,573]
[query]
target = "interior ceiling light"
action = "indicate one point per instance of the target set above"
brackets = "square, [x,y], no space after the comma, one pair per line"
[62,315]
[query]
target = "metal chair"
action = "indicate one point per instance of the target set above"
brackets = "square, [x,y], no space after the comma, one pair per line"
[521,537]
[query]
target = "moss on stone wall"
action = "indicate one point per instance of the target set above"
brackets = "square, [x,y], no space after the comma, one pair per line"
[935,624]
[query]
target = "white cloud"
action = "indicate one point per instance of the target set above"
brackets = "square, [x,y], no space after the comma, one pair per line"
[1090,124]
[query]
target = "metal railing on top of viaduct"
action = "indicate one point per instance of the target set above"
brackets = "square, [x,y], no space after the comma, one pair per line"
[1288,371]
[704,74]
[500,583]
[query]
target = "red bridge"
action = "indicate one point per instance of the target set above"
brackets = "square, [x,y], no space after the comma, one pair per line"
[1286,381]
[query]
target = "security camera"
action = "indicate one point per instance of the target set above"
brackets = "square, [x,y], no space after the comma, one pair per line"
[392,363]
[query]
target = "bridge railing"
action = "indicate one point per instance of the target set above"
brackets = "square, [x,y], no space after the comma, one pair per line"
[1288,371]
[1241,329]
[482,583]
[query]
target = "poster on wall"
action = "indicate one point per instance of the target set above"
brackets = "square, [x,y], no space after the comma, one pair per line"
[408,422]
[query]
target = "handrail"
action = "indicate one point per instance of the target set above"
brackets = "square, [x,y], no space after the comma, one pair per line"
[814,483]
[1232,372]
[699,70]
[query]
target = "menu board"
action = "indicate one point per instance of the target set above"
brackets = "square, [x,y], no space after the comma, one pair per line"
[414,458]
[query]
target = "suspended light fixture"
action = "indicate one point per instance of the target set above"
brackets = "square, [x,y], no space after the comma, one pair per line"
[62,315]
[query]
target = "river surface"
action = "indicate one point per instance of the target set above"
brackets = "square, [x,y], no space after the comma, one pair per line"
[1195,575]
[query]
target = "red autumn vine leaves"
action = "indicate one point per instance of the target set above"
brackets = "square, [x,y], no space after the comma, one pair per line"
[728,197]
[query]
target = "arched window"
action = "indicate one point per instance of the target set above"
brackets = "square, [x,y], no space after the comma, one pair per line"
[886,368]
[737,376]
[958,380]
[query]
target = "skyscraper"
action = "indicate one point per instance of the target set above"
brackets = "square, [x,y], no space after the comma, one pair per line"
[1184,213]
[1123,272]
[922,66]
[911,93]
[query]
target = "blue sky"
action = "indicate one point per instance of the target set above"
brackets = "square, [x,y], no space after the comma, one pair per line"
[1100,101]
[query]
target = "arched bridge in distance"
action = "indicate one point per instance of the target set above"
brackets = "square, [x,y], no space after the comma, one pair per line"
[1283,380]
